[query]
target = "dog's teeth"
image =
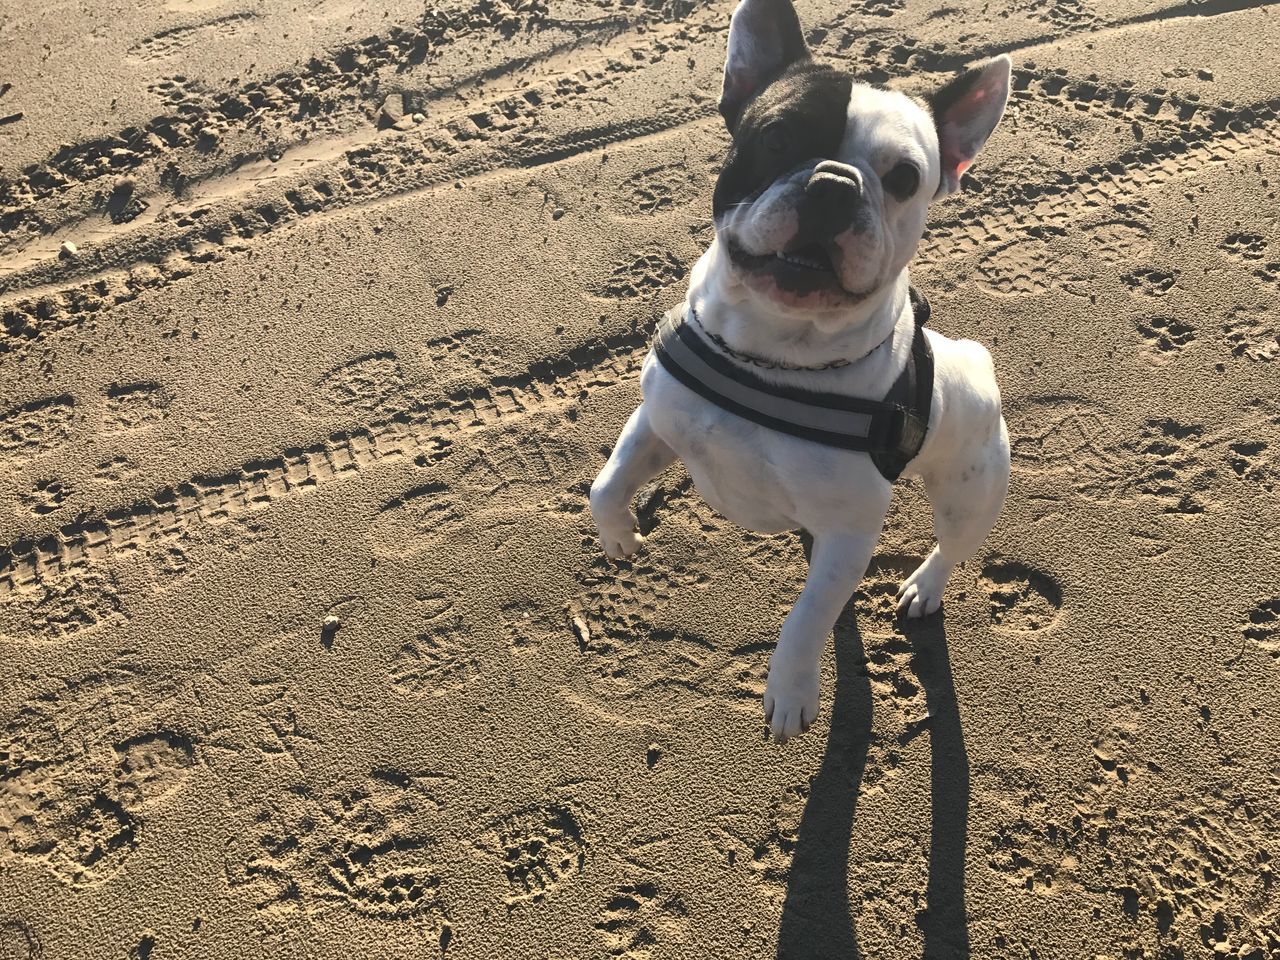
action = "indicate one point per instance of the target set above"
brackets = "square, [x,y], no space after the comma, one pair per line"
[799,261]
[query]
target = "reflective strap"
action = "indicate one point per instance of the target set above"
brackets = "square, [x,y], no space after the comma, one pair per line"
[674,348]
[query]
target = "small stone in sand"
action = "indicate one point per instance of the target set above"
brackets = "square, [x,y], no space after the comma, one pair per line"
[393,107]
[404,123]
[330,623]
[67,250]
[582,630]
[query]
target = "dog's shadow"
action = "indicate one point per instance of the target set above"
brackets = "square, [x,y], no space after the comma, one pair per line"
[818,920]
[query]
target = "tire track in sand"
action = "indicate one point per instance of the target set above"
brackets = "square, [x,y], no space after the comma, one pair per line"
[34,568]
[1018,211]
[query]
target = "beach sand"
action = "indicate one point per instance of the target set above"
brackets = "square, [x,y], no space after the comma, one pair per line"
[327,312]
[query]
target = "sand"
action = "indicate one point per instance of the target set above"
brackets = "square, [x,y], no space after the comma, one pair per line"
[273,357]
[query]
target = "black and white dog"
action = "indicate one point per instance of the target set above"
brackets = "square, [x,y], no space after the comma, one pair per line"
[818,210]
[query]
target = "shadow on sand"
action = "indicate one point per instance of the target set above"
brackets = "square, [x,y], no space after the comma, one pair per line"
[817,919]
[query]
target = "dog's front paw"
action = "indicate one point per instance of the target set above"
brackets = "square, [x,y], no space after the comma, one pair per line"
[619,537]
[921,593]
[619,542]
[790,700]
[616,524]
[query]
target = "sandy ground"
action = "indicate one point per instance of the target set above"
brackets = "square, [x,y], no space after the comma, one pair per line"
[308,361]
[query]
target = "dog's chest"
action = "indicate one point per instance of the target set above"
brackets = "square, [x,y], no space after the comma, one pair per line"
[759,478]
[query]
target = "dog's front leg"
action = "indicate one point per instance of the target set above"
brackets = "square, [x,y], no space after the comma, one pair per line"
[638,457]
[837,563]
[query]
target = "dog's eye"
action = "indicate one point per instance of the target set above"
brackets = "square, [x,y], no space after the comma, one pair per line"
[774,139]
[902,181]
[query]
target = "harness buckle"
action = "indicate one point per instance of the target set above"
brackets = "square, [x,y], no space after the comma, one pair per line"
[911,432]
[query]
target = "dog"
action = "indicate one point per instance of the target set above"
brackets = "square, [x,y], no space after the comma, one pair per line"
[803,298]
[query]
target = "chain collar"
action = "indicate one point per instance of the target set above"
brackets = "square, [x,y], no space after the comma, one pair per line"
[765,363]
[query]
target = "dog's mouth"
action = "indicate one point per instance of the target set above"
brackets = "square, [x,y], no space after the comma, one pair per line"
[812,257]
[799,271]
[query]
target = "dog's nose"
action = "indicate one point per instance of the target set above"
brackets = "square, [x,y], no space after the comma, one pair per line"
[835,180]
[833,193]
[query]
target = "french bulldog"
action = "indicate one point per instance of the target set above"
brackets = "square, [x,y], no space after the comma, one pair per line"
[818,210]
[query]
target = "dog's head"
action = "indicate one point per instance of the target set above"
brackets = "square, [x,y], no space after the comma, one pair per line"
[822,198]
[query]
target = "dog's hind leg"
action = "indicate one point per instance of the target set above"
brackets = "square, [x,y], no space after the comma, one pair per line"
[638,457]
[966,496]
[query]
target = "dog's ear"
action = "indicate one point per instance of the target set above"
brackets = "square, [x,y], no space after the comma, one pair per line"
[764,39]
[965,111]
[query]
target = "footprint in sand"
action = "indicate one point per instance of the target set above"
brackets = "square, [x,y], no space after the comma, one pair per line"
[1262,627]
[538,847]
[642,274]
[370,383]
[371,849]
[1023,600]
[410,523]
[86,763]
[655,189]
[131,406]
[638,918]
[35,427]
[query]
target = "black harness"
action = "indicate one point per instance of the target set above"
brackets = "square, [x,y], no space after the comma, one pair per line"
[891,430]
